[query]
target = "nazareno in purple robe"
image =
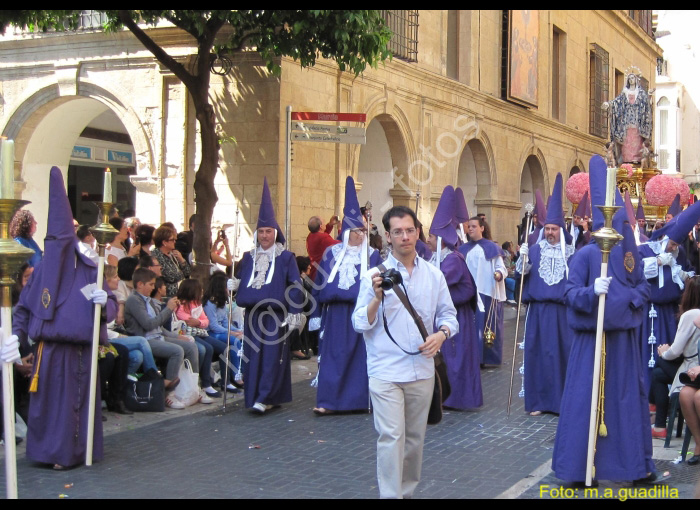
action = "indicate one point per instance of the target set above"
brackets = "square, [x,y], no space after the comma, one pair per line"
[343,384]
[266,358]
[625,454]
[461,351]
[547,339]
[58,411]
[665,300]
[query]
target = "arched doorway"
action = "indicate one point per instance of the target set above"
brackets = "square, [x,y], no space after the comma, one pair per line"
[80,135]
[531,179]
[383,167]
[473,174]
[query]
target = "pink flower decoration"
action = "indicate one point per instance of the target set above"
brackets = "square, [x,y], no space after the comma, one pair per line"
[662,189]
[682,188]
[576,186]
[628,168]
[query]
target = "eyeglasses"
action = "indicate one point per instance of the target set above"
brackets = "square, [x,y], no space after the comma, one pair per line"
[358,231]
[172,240]
[400,233]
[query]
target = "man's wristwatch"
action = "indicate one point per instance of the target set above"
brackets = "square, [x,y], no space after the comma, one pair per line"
[447,335]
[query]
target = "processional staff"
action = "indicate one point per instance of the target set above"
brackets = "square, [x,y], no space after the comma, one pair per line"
[103,233]
[606,238]
[230,308]
[12,256]
[528,215]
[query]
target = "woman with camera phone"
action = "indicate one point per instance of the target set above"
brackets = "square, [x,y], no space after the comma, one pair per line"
[485,262]
[342,377]
[461,352]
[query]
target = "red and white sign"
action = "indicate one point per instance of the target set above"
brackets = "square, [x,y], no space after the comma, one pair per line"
[330,117]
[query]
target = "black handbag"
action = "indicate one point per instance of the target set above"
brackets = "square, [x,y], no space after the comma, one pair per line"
[685,379]
[442,388]
[145,395]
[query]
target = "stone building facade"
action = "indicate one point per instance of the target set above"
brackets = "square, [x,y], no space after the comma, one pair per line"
[439,115]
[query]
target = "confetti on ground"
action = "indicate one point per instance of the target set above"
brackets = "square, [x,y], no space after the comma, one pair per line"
[321,441]
[68,486]
[254,447]
[63,496]
[291,421]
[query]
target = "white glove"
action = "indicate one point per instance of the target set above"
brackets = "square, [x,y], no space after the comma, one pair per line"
[524,250]
[99,297]
[296,321]
[10,349]
[601,285]
[666,258]
[232,284]
[685,276]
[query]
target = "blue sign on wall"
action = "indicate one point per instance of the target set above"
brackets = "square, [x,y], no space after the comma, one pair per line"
[82,152]
[120,157]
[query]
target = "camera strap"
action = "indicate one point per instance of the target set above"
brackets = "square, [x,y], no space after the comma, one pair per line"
[412,311]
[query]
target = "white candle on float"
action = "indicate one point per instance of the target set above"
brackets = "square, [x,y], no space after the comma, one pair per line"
[610,186]
[107,193]
[7,166]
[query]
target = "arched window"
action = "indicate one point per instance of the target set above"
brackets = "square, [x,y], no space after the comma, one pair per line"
[662,106]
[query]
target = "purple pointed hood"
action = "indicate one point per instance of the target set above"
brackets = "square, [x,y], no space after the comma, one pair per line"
[555,212]
[684,223]
[630,209]
[461,212]
[583,207]
[675,208]
[352,215]
[540,208]
[266,215]
[640,211]
[442,225]
[57,268]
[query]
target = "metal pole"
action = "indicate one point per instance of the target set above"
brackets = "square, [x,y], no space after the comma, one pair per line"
[8,402]
[288,175]
[528,214]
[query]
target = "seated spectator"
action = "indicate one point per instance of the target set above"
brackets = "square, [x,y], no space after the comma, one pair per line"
[139,350]
[191,311]
[116,250]
[113,363]
[160,291]
[174,268]
[185,240]
[132,223]
[148,262]
[144,317]
[299,340]
[676,358]
[22,230]
[87,243]
[509,261]
[220,331]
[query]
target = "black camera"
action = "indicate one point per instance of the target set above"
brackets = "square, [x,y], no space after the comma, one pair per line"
[390,277]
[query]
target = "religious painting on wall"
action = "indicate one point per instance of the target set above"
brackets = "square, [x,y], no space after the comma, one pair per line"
[523,37]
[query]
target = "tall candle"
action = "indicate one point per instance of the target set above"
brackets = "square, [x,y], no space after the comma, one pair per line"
[610,186]
[7,166]
[107,194]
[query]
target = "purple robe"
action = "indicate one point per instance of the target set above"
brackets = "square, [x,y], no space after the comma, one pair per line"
[423,250]
[343,384]
[665,300]
[58,411]
[547,339]
[461,351]
[266,358]
[488,355]
[625,454]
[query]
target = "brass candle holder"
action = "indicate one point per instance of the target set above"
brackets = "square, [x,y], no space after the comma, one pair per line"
[12,256]
[104,232]
[607,237]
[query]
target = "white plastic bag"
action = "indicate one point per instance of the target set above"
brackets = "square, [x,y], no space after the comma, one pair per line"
[187,391]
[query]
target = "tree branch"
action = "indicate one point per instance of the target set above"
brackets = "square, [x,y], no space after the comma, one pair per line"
[161,55]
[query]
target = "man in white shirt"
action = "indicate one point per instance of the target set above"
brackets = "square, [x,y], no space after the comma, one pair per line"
[401,375]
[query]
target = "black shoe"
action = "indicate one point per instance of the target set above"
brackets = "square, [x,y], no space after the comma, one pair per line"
[151,375]
[693,460]
[119,407]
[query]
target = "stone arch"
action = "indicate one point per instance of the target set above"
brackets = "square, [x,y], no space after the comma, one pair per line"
[474,172]
[382,165]
[45,127]
[533,176]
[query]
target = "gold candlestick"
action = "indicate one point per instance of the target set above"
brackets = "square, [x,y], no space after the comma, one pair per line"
[12,256]
[607,237]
